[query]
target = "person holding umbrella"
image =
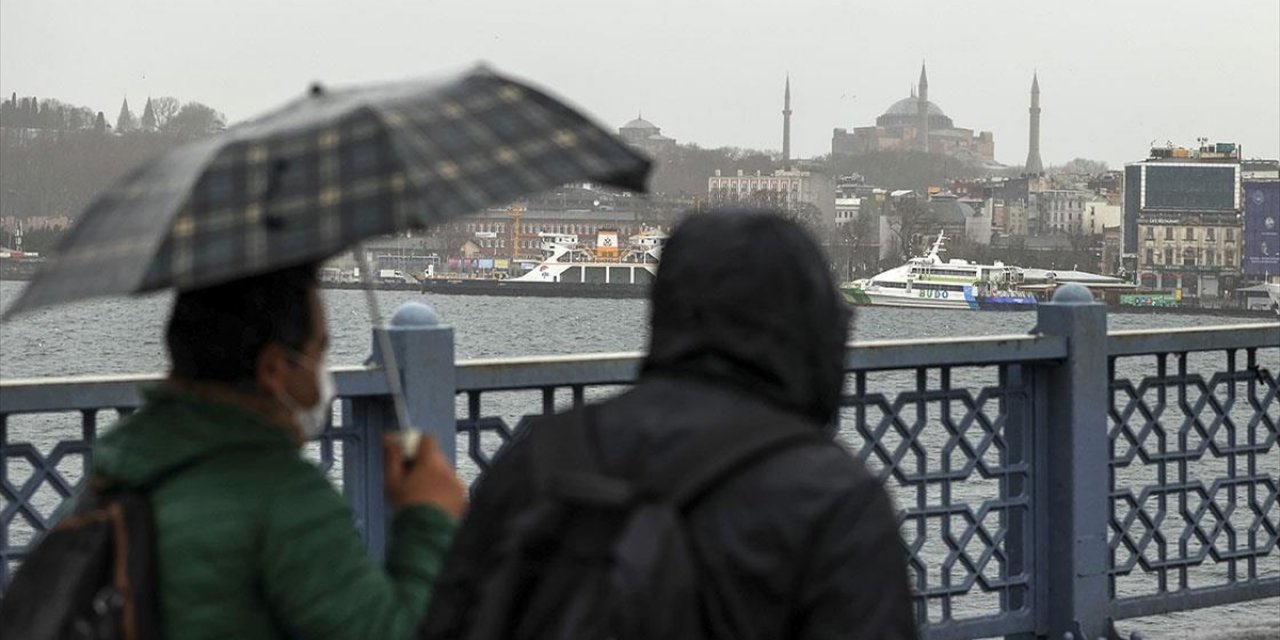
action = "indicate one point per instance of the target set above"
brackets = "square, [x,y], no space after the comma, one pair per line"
[252,541]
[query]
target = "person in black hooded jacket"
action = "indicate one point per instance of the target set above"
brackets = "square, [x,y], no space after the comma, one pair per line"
[745,320]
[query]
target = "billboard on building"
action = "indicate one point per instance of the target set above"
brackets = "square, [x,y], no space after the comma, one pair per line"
[1196,187]
[1262,228]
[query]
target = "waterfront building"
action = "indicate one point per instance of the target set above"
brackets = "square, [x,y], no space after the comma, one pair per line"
[1182,217]
[1061,210]
[1261,244]
[916,124]
[786,190]
[1101,213]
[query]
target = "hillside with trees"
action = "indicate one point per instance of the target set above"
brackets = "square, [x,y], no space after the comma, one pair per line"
[56,157]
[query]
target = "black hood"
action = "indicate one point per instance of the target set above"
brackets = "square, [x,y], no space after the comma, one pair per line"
[745,298]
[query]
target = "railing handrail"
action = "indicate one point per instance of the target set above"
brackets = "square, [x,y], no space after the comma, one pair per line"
[1233,336]
[487,373]
[525,372]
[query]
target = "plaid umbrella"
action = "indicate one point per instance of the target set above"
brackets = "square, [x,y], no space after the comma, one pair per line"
[322,173]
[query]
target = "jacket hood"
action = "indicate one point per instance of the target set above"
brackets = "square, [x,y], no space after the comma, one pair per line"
[745,298]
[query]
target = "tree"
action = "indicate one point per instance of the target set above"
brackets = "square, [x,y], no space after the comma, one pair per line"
[80,118]
[149,117]
[125,122]
[164,109]
[853,249]
[1082,166]
[100,124]
[196,120]
[51,114]
[903,169]
[908,224]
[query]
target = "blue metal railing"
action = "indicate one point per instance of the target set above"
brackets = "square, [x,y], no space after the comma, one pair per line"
[1152,454]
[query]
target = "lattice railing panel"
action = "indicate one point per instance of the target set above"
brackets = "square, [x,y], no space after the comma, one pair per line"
[44,467]
[953,446]
[1194,471]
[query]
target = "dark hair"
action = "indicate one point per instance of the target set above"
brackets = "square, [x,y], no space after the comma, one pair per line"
[218,332]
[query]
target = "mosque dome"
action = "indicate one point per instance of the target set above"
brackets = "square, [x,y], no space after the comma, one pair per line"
[908,107]
[639,123]
[905,112]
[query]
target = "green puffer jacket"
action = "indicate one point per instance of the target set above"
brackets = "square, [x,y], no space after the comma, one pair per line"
[253,541]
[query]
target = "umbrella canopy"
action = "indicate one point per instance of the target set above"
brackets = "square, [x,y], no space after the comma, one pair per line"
[322,173]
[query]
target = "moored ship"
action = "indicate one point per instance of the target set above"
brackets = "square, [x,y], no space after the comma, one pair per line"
[929,282]
[565,260]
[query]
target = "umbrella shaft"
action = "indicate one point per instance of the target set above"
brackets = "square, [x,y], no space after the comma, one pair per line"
[389,365]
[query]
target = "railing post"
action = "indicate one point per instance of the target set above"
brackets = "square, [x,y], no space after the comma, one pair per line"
[424,352]
[1077,462]
[424,356]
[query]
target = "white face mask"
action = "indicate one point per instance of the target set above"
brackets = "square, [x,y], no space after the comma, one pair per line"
[311,421]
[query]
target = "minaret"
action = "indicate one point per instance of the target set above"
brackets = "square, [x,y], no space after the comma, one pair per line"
[922,108]
[786,126]
[1034,166]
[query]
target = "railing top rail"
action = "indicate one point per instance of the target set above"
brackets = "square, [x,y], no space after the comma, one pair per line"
[89,392]
[84,393]
[1238,336]
[937,352]
[540,371]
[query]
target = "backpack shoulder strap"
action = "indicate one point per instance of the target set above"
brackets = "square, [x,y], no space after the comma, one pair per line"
[723,452]
[565,467]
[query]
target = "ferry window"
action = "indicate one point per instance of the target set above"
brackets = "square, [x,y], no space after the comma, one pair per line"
[619,274]
[594,275]
[643,276]
[572,274]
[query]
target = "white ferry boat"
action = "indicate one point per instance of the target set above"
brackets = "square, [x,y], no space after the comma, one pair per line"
[564,260]
[929,282]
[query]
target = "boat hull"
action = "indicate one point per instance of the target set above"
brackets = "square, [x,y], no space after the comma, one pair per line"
[957,300]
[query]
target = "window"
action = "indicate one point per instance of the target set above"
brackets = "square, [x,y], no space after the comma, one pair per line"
[1151,234]
[1208,234]
[1189,257]
[1231,235]
[1151,258]
[1168,255]
[1191,233]
[1168,233]
[1210,256]
[1229,258]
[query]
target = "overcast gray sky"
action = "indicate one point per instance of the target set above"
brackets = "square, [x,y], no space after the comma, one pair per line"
[1114,75]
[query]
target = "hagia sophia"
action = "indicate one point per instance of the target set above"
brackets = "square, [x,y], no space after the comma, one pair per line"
[916,124]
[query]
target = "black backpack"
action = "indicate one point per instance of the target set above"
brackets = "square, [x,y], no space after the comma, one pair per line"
[93,575]
[595,556]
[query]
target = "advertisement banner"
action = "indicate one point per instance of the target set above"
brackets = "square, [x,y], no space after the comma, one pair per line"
[1261,228]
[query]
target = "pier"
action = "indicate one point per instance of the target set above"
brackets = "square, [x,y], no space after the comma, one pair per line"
[1054,482]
